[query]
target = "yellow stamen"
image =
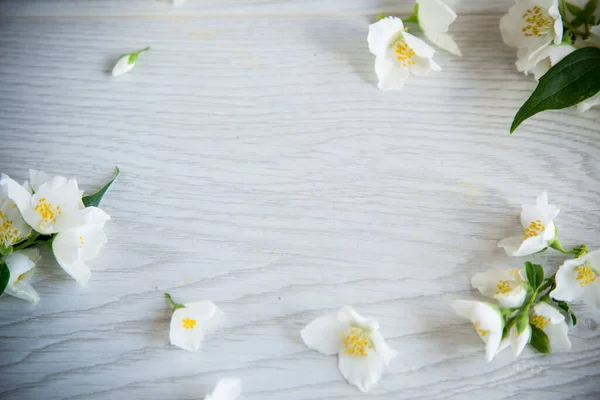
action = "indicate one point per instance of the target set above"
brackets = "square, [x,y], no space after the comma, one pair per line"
[585,275]
[503,287]
[357,342]
[539,321]
[47,211]
[81,242]
[535,229]
[8,234]
[537,22]
[482,332]
[189,323]
[404,53]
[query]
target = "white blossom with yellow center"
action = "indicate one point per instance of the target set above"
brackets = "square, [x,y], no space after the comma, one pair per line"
[507,286]
[552,322]
[539,229]
[21,265]
[435,17]
[543,60]
[579,278]
[226,389]
[532,25]
[13,227]
[190,323]
[398,54]
[487,321]
[362,351]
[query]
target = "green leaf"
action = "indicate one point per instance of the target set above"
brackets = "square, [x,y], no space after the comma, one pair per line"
[4,276]
[574,9]
[173,304]
[540,341]
[571,81]
[590,7]
[6,250]
[535,274]
[563,305]
[133,57]
[93,200]
[522,321]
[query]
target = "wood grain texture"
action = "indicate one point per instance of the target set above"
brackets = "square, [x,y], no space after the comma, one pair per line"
[227,8]
[262,169]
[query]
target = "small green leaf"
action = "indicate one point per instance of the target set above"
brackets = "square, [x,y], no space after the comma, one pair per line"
[93,200]
[380,17]
[540,341]
[571,81]
[563,305]
[133,57]
[573,9]
[522,321]
[4,276]
[535,274]
[590,7]
[173,304]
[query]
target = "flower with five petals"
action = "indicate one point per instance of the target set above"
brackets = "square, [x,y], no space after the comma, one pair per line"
[21,265]
[486,319]
[398,53]
[578,279]
[507,286]
[552,322]
[538,222]
[191,321]
[362,351]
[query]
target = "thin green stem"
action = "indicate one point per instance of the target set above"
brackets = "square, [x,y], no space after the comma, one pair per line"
[31,240]
[556,245]
[173,304]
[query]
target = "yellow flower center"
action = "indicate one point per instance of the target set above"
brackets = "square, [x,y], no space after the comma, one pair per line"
[535,229]
[357,341]
[537,22]
[189,323]
[47,211]
[503,287]
[539,321]
[404,53]
[8,234]
[81,242]
[482,332]
[585,275]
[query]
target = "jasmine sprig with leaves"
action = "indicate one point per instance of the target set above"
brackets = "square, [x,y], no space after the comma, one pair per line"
[50,211]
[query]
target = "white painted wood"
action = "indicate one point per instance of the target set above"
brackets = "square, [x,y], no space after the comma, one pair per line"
[228,8]
[262,169]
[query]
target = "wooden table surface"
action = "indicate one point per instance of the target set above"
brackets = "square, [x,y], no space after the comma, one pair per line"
[263,170]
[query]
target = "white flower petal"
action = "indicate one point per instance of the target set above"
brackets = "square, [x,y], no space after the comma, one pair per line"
[421,48]
[13,227]
[37,178]
[591,295]
[557,333]
[381,33]
[386,353]
[548,312]
[422,66]
[435,16]
[513,299]
[93,216]
[21,265]
[347,314]
[487,320]
[23,290]
[363,372]
[390,76]
[122,66]
[445,41]
[520,340]
[324,334]
[492,344]
[17,193]
[226,389]
[189,324]
[568,287]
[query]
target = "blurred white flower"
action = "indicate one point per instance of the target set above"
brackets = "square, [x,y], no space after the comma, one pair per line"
[578,279]
[538,222]
[507,286]
[398,54]
[487,321]
[13,228]
[362,351]
[21,265]
[226,389]
[435,17]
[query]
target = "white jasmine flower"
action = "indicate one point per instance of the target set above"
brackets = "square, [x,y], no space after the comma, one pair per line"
[589,103]
[127,62]
[516,340]
[533,25]
[538,222]
[73,247]
[543,60]
[13,228]
[487,321]
[398,53]
[191,321]
[578,278]
[226,389]
[55,205]
[507,286]
[21,265]
[435,17]
[552,322]
[362,351]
